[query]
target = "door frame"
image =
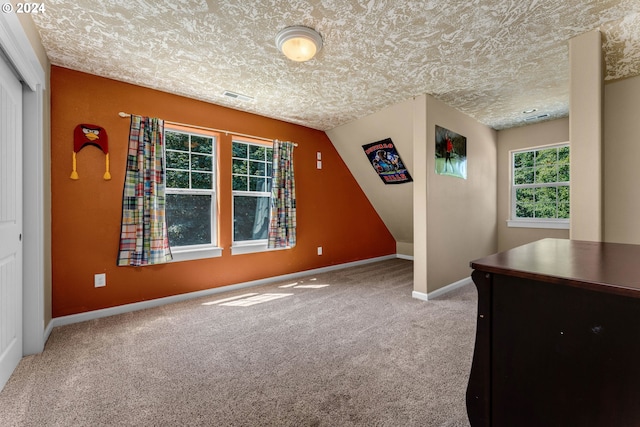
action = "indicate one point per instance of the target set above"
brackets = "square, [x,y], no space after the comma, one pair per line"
[36,186]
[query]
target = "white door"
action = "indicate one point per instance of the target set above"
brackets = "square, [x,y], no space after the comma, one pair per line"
[10,222]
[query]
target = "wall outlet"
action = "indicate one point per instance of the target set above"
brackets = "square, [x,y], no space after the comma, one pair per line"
[319,250]
[100,280]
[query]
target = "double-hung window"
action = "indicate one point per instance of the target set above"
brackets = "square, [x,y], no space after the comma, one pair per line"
[540,187]
[191,201]
[251,188]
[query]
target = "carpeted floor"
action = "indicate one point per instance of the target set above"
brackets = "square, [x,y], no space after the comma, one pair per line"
[358,352]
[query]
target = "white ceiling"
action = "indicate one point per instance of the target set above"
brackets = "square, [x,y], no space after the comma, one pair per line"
[490,59]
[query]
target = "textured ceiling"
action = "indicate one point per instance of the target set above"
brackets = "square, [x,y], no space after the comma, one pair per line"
[490,59]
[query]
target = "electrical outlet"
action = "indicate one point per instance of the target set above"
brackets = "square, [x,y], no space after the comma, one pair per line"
[100,280]
[319,250]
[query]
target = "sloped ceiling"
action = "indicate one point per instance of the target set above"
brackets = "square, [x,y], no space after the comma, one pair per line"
[490,59]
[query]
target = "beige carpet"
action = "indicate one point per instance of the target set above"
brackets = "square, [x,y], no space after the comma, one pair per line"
[358,352]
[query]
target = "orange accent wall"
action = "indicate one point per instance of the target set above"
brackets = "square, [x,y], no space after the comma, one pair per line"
[332,210]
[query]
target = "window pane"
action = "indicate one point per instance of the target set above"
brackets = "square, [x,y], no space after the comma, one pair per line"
[545,210]
[239,150]
[240,183]
[176,141]
[188,219]
[256,168]
[563,194]
[547,157]
[177,179]
[257,184]
[563,173]
[525,195]
[563,154]
[239,166]
[546,174]
[524,210]
[523,176]
[177,160]
[200,162]
[257,152]
[201,181]
[201,144]
[546,195]
[250,218]
[521,160]
[546,202]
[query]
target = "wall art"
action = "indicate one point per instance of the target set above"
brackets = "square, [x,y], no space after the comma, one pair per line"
[386,161]
[451,153]
[84,135]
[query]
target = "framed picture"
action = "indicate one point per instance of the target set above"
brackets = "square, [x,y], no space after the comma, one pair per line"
[451,153]
[386,161]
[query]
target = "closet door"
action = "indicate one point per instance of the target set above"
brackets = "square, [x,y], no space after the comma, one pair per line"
[10,222]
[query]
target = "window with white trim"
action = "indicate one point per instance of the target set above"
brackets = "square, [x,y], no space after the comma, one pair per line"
[540,187]
[251,189]
[191,201]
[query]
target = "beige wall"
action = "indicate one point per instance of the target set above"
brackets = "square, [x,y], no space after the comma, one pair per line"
[443,222]
[461,213]
[621,155]
[552,132]
[392,202]
[585,130]
[420,196]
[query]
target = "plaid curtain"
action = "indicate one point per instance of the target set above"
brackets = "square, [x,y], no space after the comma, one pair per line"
[143,238]
[282,229]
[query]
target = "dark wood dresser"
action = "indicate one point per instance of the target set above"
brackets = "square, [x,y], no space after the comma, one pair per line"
[558,336]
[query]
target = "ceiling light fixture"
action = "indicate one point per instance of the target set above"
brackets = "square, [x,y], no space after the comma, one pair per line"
[299,43]
[531,110]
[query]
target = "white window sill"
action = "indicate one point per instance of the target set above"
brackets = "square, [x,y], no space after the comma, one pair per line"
[249,248]
[190,254]
[560,224]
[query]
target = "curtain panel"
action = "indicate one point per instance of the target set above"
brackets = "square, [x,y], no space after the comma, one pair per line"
[282,228]
[144,239]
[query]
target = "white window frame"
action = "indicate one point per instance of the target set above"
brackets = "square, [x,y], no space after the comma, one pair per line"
[549,223]
[210,250]
[247,246]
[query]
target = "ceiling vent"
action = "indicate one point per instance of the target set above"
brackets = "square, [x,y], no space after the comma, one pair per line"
[541,116]
[237,96]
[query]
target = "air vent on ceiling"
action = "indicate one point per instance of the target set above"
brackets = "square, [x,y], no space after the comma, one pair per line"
[238,96]
[541,116]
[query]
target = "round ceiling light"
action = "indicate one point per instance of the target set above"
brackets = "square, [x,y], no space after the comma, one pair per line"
[299,43]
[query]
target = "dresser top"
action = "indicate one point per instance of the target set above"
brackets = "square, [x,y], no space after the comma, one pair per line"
[604,267]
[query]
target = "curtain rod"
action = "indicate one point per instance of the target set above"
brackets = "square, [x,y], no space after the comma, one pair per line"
[226,132]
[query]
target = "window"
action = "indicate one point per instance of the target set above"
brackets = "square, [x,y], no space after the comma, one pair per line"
[540,187]
[251,178]
[191,194]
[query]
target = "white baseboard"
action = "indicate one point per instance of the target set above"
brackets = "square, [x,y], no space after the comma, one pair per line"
[442,291]
[47,330]
[401,256]
[420,295]
[112,311]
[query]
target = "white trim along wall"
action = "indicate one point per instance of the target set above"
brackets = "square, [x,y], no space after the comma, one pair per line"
[112,311]
[16,47]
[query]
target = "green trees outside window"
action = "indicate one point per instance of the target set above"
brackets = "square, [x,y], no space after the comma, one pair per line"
[540,183]
[190,188]
[251,181]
